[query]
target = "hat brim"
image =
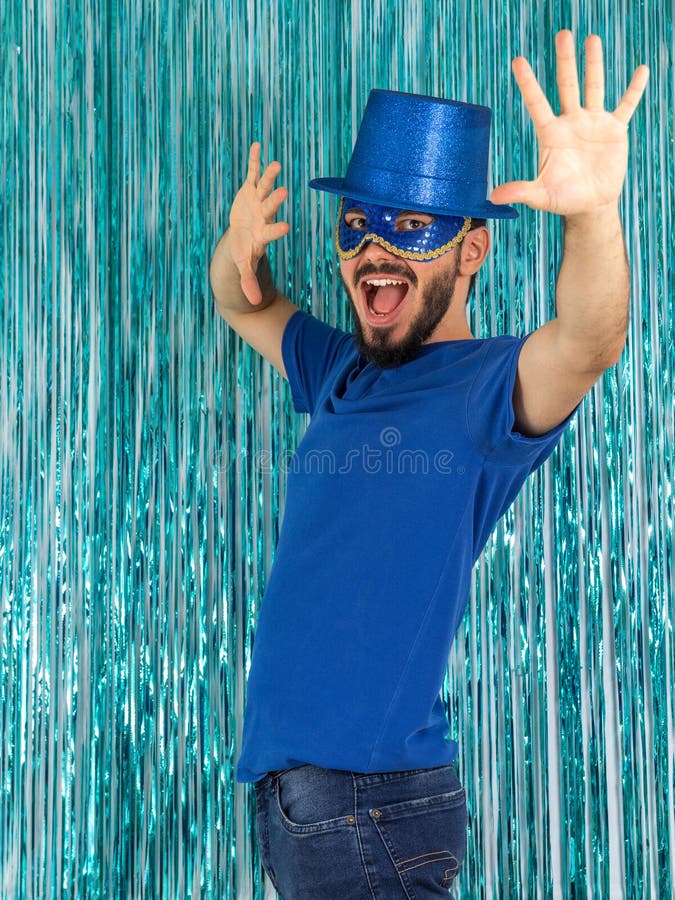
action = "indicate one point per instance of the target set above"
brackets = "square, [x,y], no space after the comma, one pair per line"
[485,210]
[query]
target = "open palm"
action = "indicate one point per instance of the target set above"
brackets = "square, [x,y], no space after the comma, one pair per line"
[583,152]
[252,226]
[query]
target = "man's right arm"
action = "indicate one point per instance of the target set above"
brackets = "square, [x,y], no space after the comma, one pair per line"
[240,274]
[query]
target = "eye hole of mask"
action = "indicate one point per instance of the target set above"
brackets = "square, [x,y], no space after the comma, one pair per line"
[396,221]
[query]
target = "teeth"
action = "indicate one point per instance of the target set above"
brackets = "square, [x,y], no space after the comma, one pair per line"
[381,282]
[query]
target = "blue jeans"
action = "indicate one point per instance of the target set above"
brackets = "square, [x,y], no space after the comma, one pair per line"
[329,834]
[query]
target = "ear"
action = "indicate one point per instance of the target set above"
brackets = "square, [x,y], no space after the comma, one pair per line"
[474,250]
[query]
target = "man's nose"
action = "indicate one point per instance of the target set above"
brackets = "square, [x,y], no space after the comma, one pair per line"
[374,251]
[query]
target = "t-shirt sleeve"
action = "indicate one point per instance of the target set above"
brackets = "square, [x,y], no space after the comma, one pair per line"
[491,415]
[311,351]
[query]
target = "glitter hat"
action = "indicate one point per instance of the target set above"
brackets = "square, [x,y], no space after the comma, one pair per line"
[421,153]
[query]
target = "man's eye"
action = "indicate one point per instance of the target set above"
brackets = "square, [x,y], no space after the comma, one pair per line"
[358,223]
[411,224]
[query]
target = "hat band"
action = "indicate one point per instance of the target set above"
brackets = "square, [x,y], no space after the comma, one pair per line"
[415,191]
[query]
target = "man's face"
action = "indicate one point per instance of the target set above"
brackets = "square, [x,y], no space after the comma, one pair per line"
[392,321]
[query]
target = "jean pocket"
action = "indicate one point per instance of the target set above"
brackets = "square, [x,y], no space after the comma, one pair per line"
[305,808]
[425,839]
[262,833]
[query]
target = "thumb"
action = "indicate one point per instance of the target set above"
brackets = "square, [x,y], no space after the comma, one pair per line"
[511,192]
[249,282]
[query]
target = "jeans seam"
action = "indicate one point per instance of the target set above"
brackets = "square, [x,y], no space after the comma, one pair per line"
[358,837]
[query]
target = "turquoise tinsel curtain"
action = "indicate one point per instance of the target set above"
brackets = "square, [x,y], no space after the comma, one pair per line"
[142,464]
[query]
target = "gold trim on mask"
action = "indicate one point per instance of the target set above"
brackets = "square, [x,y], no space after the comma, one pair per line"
[406,254]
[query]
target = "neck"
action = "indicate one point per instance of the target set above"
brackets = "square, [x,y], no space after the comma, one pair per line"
[451,329]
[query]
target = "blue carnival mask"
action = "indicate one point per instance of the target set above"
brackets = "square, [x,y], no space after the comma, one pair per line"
[423,244]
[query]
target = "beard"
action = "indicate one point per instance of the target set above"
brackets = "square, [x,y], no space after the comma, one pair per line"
[381,349]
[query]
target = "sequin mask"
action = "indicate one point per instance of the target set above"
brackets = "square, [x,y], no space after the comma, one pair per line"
[424,244]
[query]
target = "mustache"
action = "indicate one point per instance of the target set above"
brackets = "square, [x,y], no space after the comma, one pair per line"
[369,269]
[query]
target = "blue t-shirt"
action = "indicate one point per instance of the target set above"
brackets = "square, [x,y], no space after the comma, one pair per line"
[392,493]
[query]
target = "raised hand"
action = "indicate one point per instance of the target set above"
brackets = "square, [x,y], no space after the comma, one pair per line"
[252,226]
[583,152]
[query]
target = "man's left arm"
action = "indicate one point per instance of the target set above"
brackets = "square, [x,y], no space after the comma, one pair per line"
[583,155]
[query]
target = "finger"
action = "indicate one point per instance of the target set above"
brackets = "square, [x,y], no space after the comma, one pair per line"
[634,91]
[249,283]
[594,76]
[267,179]
[275,231]
[511,192]
[532,94]
[271,205]
[566,69]
[253,163]
[528,192]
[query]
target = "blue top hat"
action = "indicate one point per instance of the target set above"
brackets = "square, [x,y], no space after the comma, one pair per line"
[421,153]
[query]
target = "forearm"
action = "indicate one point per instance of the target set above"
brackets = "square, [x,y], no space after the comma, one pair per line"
[592,291]
[225,281]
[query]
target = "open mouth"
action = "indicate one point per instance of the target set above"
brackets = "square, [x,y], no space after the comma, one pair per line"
[383,298]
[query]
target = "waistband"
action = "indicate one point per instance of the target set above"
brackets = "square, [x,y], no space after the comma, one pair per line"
[363,777]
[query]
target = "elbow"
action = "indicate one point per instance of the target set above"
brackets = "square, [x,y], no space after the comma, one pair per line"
[213,283]
[614,357]
[212,276]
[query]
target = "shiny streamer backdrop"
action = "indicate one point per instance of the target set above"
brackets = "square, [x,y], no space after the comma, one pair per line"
[143,447]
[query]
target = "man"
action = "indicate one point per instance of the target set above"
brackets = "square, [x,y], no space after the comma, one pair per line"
[421,437]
